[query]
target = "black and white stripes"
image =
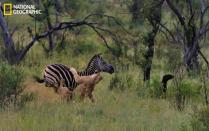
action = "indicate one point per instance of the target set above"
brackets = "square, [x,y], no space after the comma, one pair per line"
[54,73]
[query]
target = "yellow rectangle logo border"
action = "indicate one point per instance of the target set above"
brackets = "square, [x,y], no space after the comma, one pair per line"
[10,9]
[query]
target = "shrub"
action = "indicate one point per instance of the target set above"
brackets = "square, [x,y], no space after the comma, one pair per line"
[122,81]
[184,89]
[155,87]
[151,88]
[11,87]
[181,93]
[200,119]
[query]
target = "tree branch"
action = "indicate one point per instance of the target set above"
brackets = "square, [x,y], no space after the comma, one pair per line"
[176,11]
[203,31]
[37,37]
[109,17]
[69,25]
[169,32]
[203,11]
[204,58]
[101,36]
[13,31]
[203,28]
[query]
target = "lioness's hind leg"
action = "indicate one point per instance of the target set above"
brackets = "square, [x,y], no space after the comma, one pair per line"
[89,93]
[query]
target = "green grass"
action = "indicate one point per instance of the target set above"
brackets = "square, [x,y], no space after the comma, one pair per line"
[112,110]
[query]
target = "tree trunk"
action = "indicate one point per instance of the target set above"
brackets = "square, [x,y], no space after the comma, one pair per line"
[191,57]
[150,40]
[191,48]
[10,53]
[49,25]
[191,33]
[154,19]
[135,9]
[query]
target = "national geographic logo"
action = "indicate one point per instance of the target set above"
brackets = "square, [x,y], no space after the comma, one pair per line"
[7,9]
[19,9]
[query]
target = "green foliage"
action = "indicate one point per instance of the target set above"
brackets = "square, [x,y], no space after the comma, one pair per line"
[122,81]
[61,45]
[155,87]
[77,7]
[173,58]
[139,53]
[189,89]
[132,105]
[184,89]
[11,87]
[11,84]
[112,111]
[83,47]
[200,119]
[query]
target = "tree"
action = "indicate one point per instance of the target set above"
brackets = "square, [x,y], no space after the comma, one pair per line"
[15,56]
[136,10]
[193,28]
[46,18]
[153,15]
[151,11]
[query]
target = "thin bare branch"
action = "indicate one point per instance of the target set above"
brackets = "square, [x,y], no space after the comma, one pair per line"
[57,27]
[177,12]
[101,36]
[204,58]
[69,25]
[169,32]
[165,34]
[109,18]
[13,31]
[203,11]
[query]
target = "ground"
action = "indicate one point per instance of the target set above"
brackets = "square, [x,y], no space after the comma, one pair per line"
[113,110]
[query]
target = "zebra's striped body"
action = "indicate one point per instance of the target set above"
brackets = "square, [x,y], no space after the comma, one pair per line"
[54,73]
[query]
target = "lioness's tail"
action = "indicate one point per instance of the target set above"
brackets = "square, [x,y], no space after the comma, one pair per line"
[39,80]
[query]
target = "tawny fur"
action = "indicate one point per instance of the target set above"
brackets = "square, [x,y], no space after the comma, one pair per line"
[86,83]
[64,92]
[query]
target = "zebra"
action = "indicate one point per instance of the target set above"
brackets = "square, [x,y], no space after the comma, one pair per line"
[55,73]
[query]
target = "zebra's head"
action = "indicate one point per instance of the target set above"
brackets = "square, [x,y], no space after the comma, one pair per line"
[97,63]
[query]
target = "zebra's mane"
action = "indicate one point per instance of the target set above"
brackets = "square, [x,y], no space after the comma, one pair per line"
[85,72]
[94,57]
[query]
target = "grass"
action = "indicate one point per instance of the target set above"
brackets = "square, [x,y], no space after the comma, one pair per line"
[112,110]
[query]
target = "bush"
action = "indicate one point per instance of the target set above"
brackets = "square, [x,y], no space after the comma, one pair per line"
[11,87]
[155,87]
[151,88]
[182,94]
[122,81]
[184,89]
[200,119]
